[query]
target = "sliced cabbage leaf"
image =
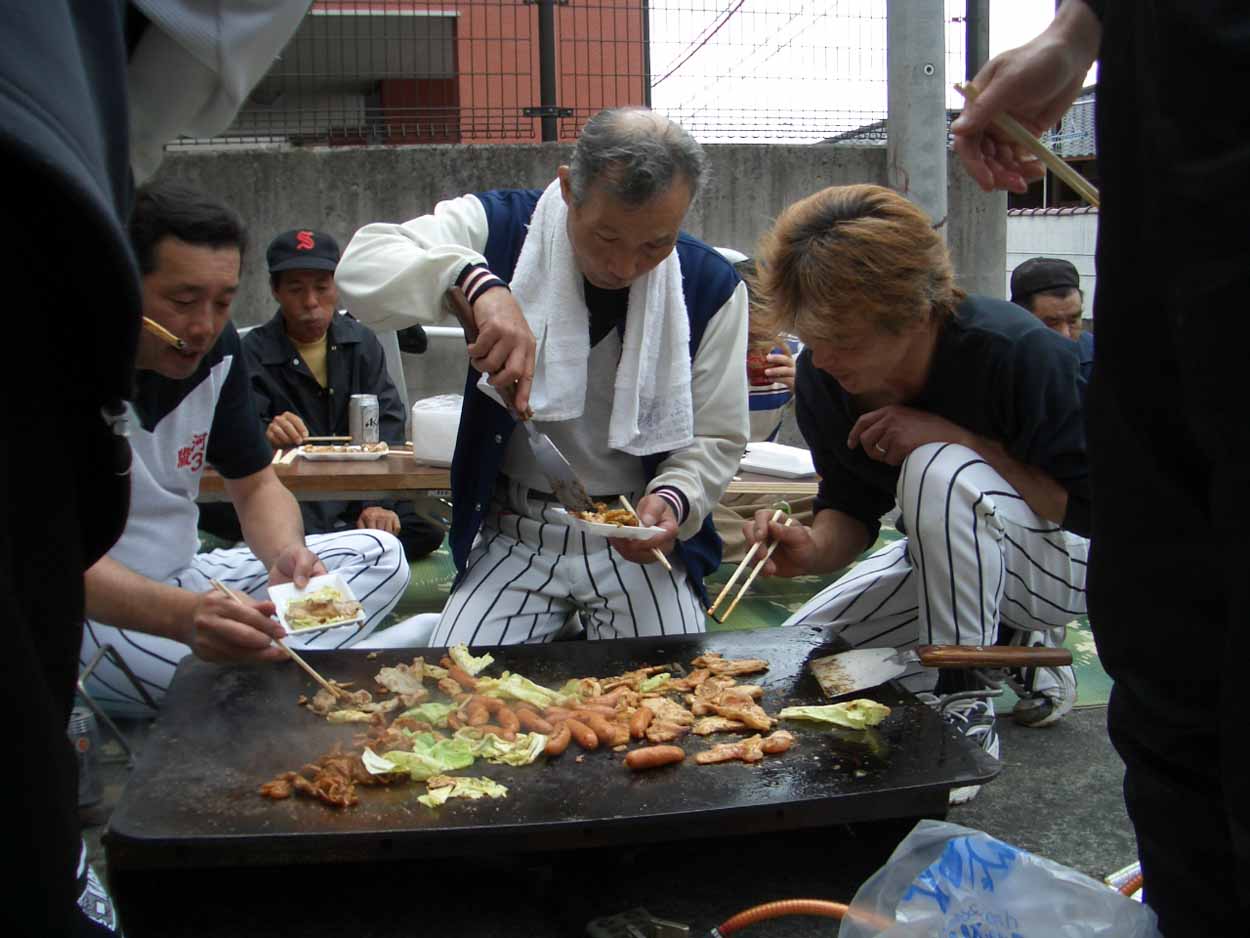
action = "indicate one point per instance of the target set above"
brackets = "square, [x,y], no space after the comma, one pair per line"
[429,757]
[523,750]
[654,682]
[441,788]
[467,662]
[431,712]
[853,714]
[512,686]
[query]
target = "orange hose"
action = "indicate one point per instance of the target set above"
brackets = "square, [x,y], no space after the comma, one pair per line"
[1132,885]
[780,909]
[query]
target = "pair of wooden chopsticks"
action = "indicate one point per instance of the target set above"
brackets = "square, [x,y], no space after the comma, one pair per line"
[742,566]
[326,439]
[161,332]
[1016,131]
[335,691]
[659,554]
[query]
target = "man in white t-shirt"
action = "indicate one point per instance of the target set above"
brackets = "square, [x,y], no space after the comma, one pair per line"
[151,596]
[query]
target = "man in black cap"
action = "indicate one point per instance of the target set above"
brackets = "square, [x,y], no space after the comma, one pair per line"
[1050,288]
[306,363]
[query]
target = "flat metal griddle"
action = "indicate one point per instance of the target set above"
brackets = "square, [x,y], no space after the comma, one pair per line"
[192,800]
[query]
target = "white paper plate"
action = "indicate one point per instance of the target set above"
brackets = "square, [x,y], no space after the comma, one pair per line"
[605,530]
[285,593]
[777,459]
[349,454]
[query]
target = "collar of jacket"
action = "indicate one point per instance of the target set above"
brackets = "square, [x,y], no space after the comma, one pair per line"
[276,347]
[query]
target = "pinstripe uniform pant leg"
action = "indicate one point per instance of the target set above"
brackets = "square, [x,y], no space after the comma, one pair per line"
[372,563]
[528,574]
[975,552]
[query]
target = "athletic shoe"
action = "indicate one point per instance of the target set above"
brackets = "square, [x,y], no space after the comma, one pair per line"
[975,719]
[1051,696]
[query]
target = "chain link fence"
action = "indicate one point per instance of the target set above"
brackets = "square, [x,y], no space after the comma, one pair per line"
[363,72]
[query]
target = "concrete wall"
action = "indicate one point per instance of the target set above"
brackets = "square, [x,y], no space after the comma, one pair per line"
[1066,233]
[338,190]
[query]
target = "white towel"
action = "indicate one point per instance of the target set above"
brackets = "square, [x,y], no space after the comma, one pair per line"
[651,407]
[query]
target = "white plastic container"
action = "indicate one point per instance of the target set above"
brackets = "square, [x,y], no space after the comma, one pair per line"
[435,421]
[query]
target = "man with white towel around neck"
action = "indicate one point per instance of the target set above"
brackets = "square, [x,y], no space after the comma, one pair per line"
[640,335]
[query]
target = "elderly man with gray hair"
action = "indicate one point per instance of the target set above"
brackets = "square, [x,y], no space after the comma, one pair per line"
[625,336]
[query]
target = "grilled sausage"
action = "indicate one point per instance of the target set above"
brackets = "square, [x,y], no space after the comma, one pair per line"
[652,757]
[597,722]
[508,719]
[584,735]
[639,722]
[476,714]
[532,721]
[559,741]
[462,677]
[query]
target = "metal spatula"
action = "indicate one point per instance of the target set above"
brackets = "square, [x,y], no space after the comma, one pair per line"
[564,483]
[862,668]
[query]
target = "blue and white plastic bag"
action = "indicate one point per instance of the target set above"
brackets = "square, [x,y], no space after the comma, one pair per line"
[946,880]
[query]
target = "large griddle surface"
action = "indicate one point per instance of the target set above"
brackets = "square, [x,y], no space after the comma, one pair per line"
[192,800]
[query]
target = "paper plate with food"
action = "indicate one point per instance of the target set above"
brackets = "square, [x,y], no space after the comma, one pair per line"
[607,522]
[344,451]
[326,603]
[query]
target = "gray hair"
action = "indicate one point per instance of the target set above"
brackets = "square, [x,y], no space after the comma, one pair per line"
[634,154]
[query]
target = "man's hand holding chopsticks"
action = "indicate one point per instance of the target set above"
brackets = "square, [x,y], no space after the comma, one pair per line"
[796,553]
[224,629]
[1035,84]
[653,511]
[505,345]
[286,429]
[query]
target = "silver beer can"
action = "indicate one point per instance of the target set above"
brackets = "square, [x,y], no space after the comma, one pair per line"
[84,736]
[363,418]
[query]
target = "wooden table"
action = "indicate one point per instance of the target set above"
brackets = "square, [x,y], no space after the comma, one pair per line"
[757,483]
[395,475]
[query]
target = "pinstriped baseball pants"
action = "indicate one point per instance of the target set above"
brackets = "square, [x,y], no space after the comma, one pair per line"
[528,574]
[975,555]
[372,563]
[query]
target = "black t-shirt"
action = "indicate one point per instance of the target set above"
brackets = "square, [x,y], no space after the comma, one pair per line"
[998,372]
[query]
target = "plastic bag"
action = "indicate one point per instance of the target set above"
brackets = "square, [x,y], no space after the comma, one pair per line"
[946,880]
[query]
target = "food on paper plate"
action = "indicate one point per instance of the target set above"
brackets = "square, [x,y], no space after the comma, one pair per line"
[853,714]
[621,517]
[320,608]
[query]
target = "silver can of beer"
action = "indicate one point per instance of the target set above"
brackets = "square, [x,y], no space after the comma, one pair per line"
[362,418]
[84,735]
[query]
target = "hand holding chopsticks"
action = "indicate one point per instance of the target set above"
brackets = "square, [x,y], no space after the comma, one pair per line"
[659,554]
[742,566]
[1017,133]
[328,685]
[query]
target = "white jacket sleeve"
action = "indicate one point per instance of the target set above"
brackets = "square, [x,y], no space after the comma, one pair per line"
[392,276]
[703,469]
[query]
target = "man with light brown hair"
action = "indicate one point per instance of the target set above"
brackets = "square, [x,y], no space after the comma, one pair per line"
[963,411]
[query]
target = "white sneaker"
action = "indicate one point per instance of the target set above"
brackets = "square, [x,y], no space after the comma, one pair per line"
[1054,693]
[975,719]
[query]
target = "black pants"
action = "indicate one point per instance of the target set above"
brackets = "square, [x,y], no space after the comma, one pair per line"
[1169,435]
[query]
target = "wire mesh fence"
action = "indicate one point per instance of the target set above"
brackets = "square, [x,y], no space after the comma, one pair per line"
[361,72]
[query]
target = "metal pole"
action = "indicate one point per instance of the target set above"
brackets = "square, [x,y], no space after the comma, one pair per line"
[916,100]
[976,36]
[646,52]
[547,68]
